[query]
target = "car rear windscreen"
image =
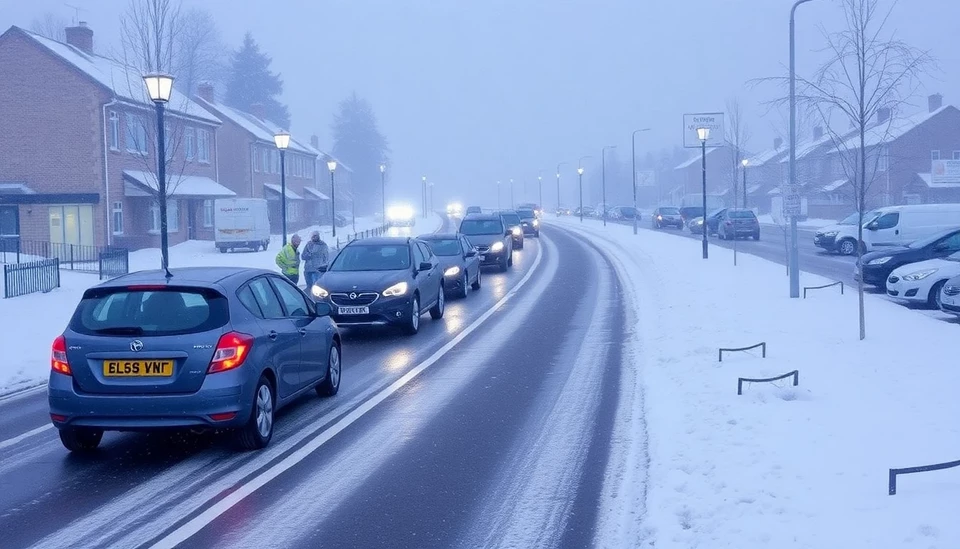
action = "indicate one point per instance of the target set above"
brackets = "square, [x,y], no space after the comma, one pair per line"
[526,214]
[669,211]
[481,226]
[149,311]
[511,219]
[741,214]
[446,246]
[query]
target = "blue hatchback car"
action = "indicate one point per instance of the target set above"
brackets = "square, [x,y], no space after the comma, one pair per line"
[201,347]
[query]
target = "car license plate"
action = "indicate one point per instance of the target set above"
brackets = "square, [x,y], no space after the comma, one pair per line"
[137,368]
[353,310]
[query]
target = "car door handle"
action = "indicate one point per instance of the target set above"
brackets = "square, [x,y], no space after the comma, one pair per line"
[303,331]
[272,334]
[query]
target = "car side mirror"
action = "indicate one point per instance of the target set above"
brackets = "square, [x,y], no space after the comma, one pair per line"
[322,268]
[873,226]
[471,253]
[426,266]
[322,308]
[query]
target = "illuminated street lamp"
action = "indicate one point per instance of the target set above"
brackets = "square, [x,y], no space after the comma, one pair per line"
[580,174]
[423,196]
[159,88]
[703,134]
[603,180]
[282,141]
[744,162]
[383,190]
[332,166]
[558,187]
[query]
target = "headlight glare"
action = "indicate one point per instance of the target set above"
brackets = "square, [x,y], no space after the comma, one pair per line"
[398,289]
[497,246]
[536,223]
[516,231]
[452,271]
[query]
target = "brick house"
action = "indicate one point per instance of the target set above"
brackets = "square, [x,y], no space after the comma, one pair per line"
[78,153]
[764,173]
[250,164]
[687,177]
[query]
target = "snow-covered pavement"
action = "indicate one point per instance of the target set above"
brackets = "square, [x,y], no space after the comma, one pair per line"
[30,323]
[696,465]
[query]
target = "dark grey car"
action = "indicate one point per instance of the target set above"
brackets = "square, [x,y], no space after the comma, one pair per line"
[205,347]
[459,261]
[492,238]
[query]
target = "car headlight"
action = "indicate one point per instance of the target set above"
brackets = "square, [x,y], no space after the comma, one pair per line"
[536,223]
[516,231]
[497,246]
[319,292]
[830,234]
[452,271]
[398,289]
[879,260]
[920,275]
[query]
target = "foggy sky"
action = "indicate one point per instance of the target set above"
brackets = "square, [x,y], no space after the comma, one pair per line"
[472,91]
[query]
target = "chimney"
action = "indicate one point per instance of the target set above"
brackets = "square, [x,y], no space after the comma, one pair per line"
[777,143]
[80,37]
[883,114]
[935,101]
[205,91]
[817,133]
[258,111]
[315,142]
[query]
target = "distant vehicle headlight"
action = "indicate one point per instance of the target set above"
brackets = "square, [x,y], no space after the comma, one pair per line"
[398,289]
[516,231]
[829,234]
[536,222]
[920,275]
[319,293]
[497,246]
[879,260]
[452,271]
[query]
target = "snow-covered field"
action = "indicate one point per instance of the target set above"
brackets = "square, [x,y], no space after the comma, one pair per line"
[779,466]
[30,323]
[768,219]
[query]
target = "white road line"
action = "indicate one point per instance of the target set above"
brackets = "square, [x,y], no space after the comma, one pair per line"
[24,436]
[197,523]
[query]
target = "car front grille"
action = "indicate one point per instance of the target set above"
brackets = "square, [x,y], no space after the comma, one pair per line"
[354,299]
[951,290]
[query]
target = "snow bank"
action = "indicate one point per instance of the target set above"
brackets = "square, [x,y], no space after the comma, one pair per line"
[30,323]
[780,466]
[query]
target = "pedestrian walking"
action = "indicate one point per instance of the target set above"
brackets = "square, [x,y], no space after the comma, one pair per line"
[315,254]
[289,260]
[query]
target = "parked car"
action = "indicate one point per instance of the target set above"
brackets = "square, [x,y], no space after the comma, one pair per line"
[878,265]
[626,212]
[564,211]
[890,226]
[696,225]
[241,223]
[732,223]
[712,220]
[529,222]
[492,238]
[512,221]
[382,281]
[688,213]
[473,210]
[666,216]
[921,282]
[202,347]
[459,261]
[950,296]
[586,211]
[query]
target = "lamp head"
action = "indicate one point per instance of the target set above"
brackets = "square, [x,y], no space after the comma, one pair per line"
[159,87]
[282,140]
[332,165]
[703,134]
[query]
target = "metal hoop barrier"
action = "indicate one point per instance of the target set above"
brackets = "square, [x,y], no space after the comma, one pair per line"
[762,344]
[920,469]
[832,284]
[740,380]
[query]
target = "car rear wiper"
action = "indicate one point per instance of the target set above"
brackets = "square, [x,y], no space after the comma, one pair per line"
[121,330]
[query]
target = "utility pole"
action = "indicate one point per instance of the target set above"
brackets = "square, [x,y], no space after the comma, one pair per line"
[794,249]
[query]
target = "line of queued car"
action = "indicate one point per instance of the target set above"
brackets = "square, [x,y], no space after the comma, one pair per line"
[724,223]
[224,348]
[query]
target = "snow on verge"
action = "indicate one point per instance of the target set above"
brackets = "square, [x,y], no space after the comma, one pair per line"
[783,467]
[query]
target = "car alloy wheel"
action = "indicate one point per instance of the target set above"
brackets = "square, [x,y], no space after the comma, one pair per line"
[331,384]
[436,312]
[465,285]
[934,300]
[414,324]
[476,284]
[847,247]
[258,431]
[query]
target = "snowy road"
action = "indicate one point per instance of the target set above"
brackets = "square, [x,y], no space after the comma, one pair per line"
[491,427]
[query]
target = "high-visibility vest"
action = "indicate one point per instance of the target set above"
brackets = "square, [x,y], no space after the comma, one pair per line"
[288,260]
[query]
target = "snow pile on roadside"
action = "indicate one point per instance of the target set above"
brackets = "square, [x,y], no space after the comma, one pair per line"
[780,466]
[768,219]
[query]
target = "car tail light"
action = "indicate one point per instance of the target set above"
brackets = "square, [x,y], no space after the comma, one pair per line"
[58,356]
[58,418]
[231,351]
[225,416]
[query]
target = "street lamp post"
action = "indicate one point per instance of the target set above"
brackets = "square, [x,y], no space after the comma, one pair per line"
[633,156]
[159,87]
[332,166]
[745,162]
[580,177]
[431,195]
[383,192]
[558,187]
[603,180]
[498,195]
[511,193]
[704,134]
[282,141]
[423,196]
[794,250]
[540,189]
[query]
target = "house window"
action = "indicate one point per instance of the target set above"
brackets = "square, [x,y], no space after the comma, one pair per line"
[114,131]
[956,155]
[208,213]
[173,216]
[254,160]
[189,143]
[136,134]
[118,218]
[934,155]
[203,145]
[884,160]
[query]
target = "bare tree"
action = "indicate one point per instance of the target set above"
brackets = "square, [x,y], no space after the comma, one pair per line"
[51,26]
[738,134]
[869,78]
[199,54]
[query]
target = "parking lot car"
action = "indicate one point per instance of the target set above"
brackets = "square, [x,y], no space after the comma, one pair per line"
[888,226]
[950,296]
[666,216]
[878,265]
[625,212]
[922,282]
[208,348]
[586,211]
[473,210]
[529,222]
[383,281]
[491,237]
[512,221]
[732,223]
[689,213]
[459,262]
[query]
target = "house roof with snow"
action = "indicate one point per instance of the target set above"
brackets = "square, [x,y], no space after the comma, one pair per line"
[768,155]
[124,81]
[262,130]
[890,130]
[695,159]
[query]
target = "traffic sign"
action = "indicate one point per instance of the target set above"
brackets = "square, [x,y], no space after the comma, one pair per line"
[791,204]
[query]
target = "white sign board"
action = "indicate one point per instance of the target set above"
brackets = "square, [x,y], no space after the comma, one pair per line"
[791,200]
[710,120]
[944,172]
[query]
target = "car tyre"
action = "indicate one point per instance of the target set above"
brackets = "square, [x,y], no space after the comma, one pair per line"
[413,323]
[933,301]
[848,246]
[223,250]
[436,312]
[464,285]
[81,439]
[258,431]
[504,264]
[476,284]
[510,259]
[520,245]
[331,384]
[756,235]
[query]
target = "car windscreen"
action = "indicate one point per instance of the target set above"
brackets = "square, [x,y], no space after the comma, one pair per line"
[511,218]
[526,214]
[446,246]
[742,214]
[149,310]
[669,211]
[372,257]
[481,226]
[852,218]
[924,242]
[953,257]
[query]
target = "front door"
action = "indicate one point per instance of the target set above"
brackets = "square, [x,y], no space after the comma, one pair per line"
[9,229]
[282,334]
[886,232]
[192,219]
[313,347]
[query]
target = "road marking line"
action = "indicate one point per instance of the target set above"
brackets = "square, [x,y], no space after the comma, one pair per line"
[24,436]
[194,525]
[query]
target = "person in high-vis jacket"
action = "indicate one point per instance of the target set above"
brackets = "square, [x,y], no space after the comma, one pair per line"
[289,260]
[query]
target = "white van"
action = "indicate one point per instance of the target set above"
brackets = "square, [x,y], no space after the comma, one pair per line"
[241,223]
[888,227]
